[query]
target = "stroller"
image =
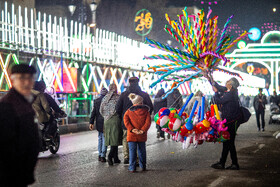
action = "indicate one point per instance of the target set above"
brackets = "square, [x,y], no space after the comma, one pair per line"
[274,114]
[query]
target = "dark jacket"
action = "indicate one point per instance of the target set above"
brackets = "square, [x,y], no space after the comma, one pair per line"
[95,114]
[175,100]
[52,103]
[19,140]
[159,102]
[228,103]
[257,104]
[124,103]
[137,117]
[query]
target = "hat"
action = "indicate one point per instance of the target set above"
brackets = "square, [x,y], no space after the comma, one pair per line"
[133,80]
[104,91]
[23,68]
[135,99]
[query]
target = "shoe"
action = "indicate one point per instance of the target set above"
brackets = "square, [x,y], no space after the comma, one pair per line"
[218,165]
[168,136]
[158,135]
[233,167]
[102,159]
[162,137]
[143,169]
[263,129]
[137,164]
[126,161]
[110,161]
[117,161]
[132,171]
[99,158]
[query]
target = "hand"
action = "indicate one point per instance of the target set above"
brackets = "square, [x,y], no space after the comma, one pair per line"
[141,132]
[135,131]
[214,89]
[91,126]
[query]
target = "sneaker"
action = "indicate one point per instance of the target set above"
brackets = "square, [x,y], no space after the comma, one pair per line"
[158,135]
[233,167]
[102,159]
[263,129]
[99,158]
[110,161]
[126,161]
[218,165]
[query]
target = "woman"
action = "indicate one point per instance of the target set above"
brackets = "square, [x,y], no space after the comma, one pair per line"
[112,123]
[227,99]
[158,104]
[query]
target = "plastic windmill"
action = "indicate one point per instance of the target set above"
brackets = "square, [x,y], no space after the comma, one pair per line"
[202,53]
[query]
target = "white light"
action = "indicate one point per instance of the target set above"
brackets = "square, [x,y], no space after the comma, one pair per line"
[92,25]
[72,9]
[274,9]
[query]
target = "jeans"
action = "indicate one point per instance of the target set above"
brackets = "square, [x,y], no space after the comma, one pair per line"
[229,146]
[133,147]
[258,114]
[125,145]
[102,149]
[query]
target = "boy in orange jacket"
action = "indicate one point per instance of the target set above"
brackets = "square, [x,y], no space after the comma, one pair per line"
[137,120]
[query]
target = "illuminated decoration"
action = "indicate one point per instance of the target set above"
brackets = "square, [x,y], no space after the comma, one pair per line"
[4,67]
[202,53]
[143,22]
[271,37]
[209,2]
[256,34]
[69,80]
[241,44]
[250,69]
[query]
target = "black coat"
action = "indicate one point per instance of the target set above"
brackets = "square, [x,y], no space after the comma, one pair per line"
[95,114]
[124,102]
[19,140]
[159,102]
[228,103]
[175,100]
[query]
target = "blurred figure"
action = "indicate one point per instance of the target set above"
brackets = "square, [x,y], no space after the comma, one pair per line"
[197,97]
[247,101]
[124,104]
[259,106]
[174,99]
[112,123]
[99,121]
[19,134]
[274,99]
[158,104]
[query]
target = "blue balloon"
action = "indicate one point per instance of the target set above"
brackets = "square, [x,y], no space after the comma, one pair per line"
[166,112]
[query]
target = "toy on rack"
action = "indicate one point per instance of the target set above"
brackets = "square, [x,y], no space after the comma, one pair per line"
[202,51]
[193,128]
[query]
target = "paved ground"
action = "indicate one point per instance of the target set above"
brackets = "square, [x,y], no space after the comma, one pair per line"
[169,165]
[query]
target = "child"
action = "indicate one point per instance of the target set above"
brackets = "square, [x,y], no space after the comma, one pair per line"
[137,120]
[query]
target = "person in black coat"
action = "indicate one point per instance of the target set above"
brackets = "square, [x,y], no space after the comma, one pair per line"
[174,99]
[158,104]
[227,98]
[95,115]
[259,105]
[124,104]
[19,134]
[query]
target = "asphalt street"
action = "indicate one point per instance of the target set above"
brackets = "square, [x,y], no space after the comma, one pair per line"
[76,163]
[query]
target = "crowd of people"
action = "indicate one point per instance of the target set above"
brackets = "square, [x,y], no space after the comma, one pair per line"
[120,119]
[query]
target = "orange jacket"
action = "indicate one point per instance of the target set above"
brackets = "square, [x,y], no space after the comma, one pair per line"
[137,117]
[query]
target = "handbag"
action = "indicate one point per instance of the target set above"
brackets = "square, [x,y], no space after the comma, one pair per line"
[245,114]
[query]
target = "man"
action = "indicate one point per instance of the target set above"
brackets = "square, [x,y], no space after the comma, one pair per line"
[174,99]
[274,98]
[124,104]
[95,115]
[259,106]
[19,137]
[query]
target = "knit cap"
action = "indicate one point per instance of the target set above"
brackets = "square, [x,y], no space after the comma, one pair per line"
[135,99]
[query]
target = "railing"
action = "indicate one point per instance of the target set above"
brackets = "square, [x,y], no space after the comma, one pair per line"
[25,29]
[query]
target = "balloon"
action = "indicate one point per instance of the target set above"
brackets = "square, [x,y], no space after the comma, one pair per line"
[156,119]
[161,110]
[173,110]
[225,135]
[164,120]
[200,128]
[200,142]
[165,112]
[174,124]
[206,123]
[208,115]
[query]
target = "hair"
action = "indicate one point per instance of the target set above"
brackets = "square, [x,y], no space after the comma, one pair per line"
[260,89]
[234,82]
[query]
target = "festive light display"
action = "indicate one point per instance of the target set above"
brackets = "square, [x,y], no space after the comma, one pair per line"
[202,49]
[4,67]
[255,34]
